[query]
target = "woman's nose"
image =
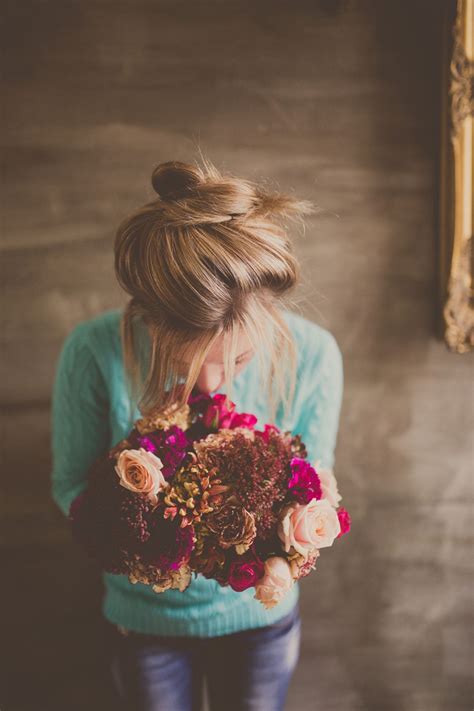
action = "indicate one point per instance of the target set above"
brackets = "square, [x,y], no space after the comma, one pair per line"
[209,379]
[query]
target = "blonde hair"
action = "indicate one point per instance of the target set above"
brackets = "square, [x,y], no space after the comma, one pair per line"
[207,257]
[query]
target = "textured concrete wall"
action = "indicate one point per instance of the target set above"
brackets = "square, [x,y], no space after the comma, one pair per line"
[338,102]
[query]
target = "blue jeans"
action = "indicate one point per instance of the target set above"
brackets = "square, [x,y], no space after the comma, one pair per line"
[244,671]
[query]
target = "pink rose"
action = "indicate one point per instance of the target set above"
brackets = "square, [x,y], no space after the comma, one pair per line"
[329,488]
[308,526]
[140,472]
[276,582]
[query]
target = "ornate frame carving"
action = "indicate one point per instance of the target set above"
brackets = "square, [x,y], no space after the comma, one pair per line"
[456,174]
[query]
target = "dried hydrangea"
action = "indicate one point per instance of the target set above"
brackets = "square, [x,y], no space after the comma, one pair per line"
[190,493]
[233,525]
[208,558]
[215,442]
[297,446]
[140,572]
[165,418]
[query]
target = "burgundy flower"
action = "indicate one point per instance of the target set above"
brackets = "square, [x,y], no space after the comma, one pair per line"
[217,416]
[245,572]
[169,545]
[304,483]
[198,400]
[96,520]
[344,521]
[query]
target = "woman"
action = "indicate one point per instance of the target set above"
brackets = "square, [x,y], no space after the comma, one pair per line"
[207,266]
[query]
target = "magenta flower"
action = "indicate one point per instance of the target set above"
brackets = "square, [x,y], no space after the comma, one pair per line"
[169,445]
[238,419]
[245,572]
[304,483]
[344,521]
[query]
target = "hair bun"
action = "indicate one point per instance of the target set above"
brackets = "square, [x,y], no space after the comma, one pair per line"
[174,179]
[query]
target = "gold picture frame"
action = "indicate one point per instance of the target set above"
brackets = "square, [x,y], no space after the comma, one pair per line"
[456,178]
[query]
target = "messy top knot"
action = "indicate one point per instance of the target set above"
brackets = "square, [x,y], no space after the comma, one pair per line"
[174,180]
[207,257]
[196,196]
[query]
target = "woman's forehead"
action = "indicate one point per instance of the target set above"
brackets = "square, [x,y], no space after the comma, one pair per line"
[216,353]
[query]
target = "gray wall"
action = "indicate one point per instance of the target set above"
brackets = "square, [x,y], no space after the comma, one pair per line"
[338,102]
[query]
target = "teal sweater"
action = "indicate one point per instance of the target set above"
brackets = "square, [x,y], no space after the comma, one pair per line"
[90,414]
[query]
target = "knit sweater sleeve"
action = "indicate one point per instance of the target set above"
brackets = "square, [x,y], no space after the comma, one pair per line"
[79,418]
[318,422]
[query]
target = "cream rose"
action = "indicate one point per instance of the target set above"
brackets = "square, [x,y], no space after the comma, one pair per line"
[329,488]
[308,526]
[275,583]
[140,471]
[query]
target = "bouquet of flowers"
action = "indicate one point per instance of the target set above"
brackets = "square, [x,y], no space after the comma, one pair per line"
[199,489]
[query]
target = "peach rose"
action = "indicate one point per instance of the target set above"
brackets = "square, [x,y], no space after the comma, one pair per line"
[308,526]
[275,583]
[140,471]
[329,488]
